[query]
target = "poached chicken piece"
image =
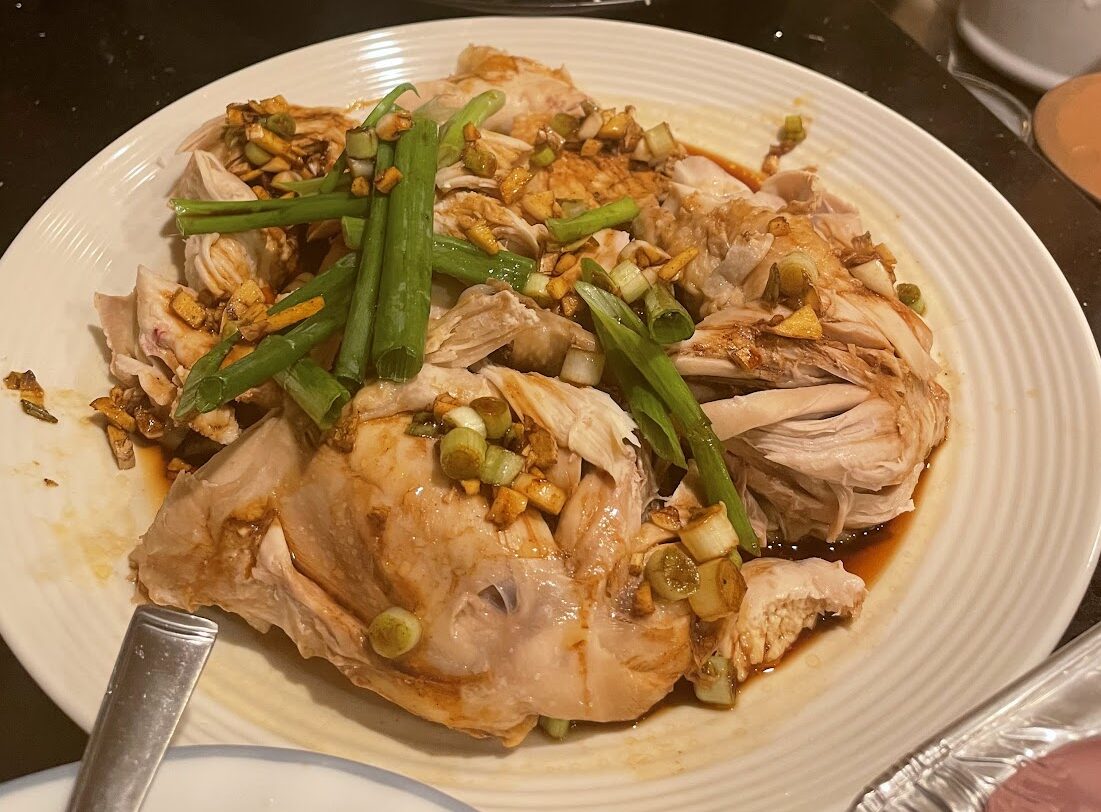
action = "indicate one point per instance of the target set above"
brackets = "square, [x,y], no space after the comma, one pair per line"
[550,612]
[516,623]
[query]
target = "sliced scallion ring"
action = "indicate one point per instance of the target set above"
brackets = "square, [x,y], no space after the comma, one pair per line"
[715,684]
[394,632]
[465,417]
[629,281]
[722,588]
[557,729]
[495,414]
[501,466]
[710,534]
[671,573]
[462,452]
[582,367]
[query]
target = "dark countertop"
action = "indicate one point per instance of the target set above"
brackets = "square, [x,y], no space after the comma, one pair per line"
[79,75]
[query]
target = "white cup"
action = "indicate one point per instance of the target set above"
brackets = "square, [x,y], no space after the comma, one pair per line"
[1041,43]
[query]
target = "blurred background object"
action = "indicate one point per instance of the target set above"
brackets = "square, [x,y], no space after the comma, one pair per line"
[1068,130]
[1039,42]
[1006,52]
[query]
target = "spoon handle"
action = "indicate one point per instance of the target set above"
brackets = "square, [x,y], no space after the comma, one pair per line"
[160,660]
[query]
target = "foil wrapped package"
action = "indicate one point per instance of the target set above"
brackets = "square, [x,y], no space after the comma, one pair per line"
[1036,745]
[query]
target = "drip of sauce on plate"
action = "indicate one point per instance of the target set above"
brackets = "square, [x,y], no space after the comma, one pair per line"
[1067,779]
[1067,124]
[750,177]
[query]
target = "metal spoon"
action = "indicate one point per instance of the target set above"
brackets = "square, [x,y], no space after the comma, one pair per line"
[160,660]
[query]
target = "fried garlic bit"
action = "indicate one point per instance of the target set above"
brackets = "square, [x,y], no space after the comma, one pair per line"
[31,395]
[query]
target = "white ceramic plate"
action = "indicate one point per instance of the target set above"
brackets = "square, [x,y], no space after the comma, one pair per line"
[992,569]
[248,779]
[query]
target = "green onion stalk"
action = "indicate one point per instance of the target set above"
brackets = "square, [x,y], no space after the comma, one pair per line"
[333,285]
[317,393]
[397,347]
[467,263]
[459,259]
[621,331]
[570,229]
[333,177]
[666,318]
[351,362]
[475,112]
[272,355]
[290,212]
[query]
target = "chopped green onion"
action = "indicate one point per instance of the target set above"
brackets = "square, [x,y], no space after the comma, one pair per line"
[629,282]
[479,160]
[501,466]
[710,534]
[475,112]
[311,186]
[557,729]
[544,156]
[351,228]
[910,295]
[619,326]
[465,417]
[394,632]
[568,229]
[305,188]
[333,177]
[397,347]
[715,684]
[564,124]
[536,287]
[496,416]
[316,392]
[671,573]
[280,123]
[462,452]
[582,367]
[796,265]
[572,208]
[666,318]
[423,427]
[722,588]
[256,155]
[793,129]
[361,144]
[593,273]
[464,261]
[660,141]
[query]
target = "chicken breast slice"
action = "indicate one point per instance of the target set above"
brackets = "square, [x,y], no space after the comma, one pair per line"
[782,599]
[220,263]
[737,415]
[529,86]
[585,420]
[318,542]
[456,212]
